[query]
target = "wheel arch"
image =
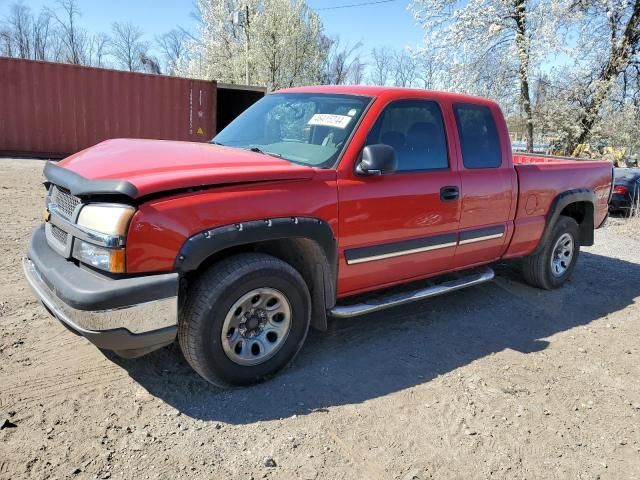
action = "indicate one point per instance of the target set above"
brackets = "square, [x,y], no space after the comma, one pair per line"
[578,204]
[307,244]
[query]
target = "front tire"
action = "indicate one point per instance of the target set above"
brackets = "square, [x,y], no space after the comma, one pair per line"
[552,266]
[245,318]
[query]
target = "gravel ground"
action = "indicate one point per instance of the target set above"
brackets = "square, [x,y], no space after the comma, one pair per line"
[498,381]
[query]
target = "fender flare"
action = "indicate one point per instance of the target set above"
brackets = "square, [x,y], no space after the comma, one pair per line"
[559,203]
[197,248]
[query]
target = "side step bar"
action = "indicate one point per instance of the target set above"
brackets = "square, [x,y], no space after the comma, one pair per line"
[394,300]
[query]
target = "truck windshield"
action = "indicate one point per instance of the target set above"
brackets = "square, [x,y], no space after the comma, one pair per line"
[307,128]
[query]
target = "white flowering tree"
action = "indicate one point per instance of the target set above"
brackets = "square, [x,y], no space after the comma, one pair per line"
[609,43]
[490,47]
[277,43]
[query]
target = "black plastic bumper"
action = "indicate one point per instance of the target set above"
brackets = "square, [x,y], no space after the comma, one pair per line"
[115,314]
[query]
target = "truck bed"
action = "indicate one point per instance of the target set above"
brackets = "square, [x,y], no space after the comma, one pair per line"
[540,179]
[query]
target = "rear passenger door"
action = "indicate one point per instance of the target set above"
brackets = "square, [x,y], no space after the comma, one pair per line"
[489,184]
[403,225]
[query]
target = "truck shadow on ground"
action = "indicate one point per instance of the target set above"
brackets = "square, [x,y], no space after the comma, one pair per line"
[374,355]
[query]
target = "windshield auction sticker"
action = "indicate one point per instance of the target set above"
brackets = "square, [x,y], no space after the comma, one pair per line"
[329,120]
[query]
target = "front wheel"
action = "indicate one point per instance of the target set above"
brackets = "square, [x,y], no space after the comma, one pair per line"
[244,319]
[552,266]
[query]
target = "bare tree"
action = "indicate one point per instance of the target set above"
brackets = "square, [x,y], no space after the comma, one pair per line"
[381,65]
[73,39]
[42,31]
[356,75]
[172,47]
[340,62]
[404,69]
[98,50]
[20,22]
[6,43]
[57,48]
[127,46]
[427,71]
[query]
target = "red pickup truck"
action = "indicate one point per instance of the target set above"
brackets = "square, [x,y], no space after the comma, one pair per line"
[312,197]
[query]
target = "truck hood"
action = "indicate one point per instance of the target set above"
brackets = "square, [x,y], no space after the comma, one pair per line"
[137,168]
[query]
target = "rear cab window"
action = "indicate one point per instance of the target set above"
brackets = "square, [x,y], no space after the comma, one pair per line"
[415,130]
[478,134]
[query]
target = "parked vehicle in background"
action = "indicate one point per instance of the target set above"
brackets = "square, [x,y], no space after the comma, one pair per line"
[626,188]
[310,198]
[521,147]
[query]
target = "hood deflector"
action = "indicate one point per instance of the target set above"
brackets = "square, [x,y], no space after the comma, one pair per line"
[84,187]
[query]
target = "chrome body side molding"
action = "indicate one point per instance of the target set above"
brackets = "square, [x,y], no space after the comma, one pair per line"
[354,256]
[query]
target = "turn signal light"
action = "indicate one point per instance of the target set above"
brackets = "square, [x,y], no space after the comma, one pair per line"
[117,264]
[108,259]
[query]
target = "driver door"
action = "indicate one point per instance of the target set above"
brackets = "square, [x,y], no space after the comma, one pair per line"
[403,225]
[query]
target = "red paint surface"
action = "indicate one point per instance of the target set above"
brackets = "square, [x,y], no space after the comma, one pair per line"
[362,211]
[404,206]
[153,166]
[59,109]
[160,227]
[489,197]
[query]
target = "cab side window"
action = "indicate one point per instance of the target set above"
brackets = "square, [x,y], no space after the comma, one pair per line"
[415,129]
[478,136]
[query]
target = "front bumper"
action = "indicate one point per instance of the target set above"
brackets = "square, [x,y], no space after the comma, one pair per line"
[127,315]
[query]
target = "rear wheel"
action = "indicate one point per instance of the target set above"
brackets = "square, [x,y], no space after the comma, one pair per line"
[244,319]
[552,266]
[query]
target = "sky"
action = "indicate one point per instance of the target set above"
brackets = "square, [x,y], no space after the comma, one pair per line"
[383,24]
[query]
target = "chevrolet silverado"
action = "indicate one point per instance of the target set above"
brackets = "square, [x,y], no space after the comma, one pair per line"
[311,204]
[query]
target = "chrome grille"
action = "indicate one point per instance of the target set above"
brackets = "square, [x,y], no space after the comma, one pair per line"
[58,239]
[59,235]
[62,203]
[63,200]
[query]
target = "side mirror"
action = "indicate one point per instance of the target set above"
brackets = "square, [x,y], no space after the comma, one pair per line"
[377,159]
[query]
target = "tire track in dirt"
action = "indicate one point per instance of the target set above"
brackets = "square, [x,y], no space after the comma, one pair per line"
[51,390]
[58,379]
[72,370]
[60,363]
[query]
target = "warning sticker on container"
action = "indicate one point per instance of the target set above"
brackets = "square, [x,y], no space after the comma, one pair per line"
[329,120]
[200,131]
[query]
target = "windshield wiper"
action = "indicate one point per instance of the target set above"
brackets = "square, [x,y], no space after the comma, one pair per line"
[259,150]
[216,143]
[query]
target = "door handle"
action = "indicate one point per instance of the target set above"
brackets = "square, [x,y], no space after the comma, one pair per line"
[449,193]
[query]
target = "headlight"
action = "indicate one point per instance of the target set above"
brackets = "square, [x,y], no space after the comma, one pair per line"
[106,218]
[107,224]
[109,259]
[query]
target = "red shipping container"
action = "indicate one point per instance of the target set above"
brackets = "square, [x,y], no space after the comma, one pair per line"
[54,109]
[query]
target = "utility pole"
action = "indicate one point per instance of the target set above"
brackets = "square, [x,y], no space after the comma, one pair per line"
[246,47]
[241,18]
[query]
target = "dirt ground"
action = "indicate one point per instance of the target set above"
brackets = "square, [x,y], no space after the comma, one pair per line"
[498,381]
